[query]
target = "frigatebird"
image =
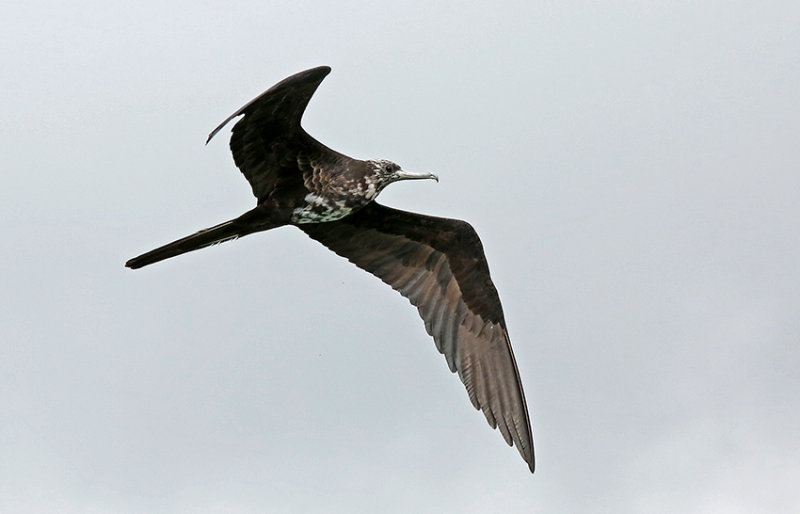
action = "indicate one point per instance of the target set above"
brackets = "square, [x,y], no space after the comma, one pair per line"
[438,264]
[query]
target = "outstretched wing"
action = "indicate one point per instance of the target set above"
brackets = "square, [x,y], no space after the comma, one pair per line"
[268,143]
[439,265]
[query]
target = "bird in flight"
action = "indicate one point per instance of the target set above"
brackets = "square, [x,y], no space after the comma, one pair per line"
[438,264]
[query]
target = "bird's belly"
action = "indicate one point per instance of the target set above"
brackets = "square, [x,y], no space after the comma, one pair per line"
[318,209]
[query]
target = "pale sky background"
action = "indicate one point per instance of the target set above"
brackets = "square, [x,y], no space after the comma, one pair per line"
[632,169]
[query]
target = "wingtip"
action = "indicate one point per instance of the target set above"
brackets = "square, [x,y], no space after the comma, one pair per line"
[324,69]
[321,71]
[219,127]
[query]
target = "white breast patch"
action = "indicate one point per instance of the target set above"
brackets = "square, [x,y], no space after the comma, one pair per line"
[318,209]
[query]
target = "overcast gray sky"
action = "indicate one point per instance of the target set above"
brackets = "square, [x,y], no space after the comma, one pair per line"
[632,169]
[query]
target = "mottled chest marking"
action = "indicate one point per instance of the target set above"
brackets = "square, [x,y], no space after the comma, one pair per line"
[318,209]
[341,200]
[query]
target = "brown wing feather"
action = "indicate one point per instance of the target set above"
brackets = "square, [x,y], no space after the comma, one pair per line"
[268,144]
[439,265]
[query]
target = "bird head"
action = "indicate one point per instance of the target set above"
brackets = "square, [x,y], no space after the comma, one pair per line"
[385,172]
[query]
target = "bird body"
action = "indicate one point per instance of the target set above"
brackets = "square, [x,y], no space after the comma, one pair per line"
[437,263]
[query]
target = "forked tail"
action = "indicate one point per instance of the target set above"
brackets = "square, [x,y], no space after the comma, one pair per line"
[223,232]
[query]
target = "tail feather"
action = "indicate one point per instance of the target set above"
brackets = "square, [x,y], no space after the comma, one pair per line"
[227,231]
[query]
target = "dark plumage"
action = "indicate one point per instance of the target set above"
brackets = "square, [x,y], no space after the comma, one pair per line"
[437,263]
